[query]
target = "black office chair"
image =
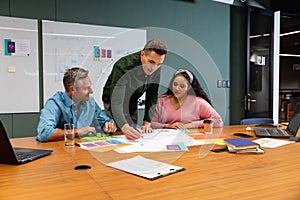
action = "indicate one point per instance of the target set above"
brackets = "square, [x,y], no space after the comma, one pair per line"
[258,121]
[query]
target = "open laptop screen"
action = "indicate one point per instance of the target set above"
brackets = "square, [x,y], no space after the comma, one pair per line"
[295,120]
[16,156]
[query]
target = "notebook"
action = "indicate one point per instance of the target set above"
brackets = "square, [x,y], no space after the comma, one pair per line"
[240,143]
[16,156]
[291,129]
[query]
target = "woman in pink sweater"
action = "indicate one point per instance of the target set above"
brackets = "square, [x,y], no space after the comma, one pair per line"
[185,105]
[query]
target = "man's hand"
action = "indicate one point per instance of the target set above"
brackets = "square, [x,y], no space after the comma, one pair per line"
[110,127]
[130,133]
[85,130]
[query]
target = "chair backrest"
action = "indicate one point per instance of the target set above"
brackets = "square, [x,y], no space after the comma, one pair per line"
[257,121]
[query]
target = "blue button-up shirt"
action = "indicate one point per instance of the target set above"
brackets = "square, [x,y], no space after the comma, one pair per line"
[61,109]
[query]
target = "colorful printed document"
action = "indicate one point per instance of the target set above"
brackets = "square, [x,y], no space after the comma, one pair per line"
[98,136]
[202,139]
[180,146]
[208,136]
[100,143]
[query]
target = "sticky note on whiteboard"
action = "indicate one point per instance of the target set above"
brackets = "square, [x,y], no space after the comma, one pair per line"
[11,69]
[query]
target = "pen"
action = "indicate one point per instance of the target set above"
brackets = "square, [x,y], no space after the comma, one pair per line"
[135,128]
[77,144]
[166,173]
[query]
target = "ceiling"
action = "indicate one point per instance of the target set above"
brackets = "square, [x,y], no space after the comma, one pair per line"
[289,22]
[290,44]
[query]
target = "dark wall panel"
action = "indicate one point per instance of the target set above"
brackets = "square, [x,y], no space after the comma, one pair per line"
[205,21]
[4,7]
[35,9]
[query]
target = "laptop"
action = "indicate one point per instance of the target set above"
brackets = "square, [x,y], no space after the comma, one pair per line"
[16,156]
[290,131]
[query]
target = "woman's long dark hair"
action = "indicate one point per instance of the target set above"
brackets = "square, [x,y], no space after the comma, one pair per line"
[196,88]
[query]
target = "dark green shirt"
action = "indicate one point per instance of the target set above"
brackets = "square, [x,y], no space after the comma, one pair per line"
[126,84]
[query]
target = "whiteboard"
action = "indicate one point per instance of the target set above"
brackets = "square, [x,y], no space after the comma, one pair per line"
[92,47]
[19,73]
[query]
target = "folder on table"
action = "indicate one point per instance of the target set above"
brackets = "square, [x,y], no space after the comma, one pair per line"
[146,168]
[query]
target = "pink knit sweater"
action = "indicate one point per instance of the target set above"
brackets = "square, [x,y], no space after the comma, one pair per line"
[194,109]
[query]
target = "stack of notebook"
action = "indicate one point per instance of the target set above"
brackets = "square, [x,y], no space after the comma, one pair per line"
[242,145]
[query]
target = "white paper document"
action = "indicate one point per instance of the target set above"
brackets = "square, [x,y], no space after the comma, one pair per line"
[271,142]
[159,140]
[144,167]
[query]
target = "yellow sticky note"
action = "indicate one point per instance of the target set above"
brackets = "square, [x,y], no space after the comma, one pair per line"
[11,69]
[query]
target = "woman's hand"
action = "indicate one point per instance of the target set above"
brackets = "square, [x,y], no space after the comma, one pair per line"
[176,125]
[146,129]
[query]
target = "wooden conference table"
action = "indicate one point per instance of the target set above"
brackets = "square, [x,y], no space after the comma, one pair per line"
[208,175]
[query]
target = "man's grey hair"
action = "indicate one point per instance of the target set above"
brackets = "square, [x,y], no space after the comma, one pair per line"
[73,76]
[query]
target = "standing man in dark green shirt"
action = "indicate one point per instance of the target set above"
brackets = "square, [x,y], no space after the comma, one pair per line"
[131,76]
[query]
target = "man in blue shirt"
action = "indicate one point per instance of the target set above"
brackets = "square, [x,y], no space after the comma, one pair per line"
[75,106]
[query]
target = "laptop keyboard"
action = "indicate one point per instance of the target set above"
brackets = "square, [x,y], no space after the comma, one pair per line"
[21,156]
[277,132]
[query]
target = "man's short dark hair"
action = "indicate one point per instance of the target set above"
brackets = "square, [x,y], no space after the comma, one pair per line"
[157,46]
